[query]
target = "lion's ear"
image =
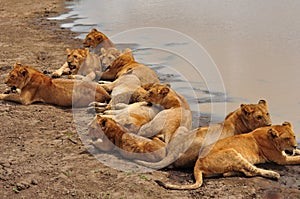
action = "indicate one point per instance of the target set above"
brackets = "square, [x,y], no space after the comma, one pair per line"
[17,65]
[103,51]
[98,117]
[147,86]
[103,121]
[287,124]
[273,133]
[263,102]
[87,51]
[94,30]
[164,91]
[127,50]
[24,72]
[246,109]
[68,51]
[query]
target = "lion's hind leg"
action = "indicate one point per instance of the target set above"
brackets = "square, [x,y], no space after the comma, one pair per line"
[240,164]
[137,147]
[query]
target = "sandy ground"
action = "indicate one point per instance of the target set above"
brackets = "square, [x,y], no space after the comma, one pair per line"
[41,153]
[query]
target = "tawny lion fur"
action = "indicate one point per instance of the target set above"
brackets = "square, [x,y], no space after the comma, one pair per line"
[80,64]
[243,120]
[107,135]
[238,154]
[97,40]
[176,113]
[33,86]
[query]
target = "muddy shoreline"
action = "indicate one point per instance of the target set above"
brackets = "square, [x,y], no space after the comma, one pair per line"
[42,155]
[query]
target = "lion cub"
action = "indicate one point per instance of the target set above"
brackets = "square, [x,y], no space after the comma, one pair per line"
[243,120]
[126,64]
[80,64]
[97,40]
[107,135]
[239,153]
[176,113]
[33,86]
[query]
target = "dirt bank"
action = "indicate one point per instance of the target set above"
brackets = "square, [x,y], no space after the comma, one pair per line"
[41,153]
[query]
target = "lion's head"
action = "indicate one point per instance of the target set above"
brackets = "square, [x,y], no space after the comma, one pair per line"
[125,58]
[102,127]
[283,137]
[76,57]
[99,132]
[156,92]
[108,56]
[94,38]
[255,115]
[18,77]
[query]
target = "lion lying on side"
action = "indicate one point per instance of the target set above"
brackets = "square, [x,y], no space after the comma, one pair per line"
[107,135]
[33,86]
[239,153]
[126,64]
[80,64]
[245,119]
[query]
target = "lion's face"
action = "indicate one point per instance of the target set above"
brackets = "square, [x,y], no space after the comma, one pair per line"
[255,115]
[108,56]
[125,58]
[95,131]
[17,77]
[76,57]
[102,127]
[284,137]
[100,134]
[94,38]
[156,92]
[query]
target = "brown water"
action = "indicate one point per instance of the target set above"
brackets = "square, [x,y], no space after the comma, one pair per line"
[255,45]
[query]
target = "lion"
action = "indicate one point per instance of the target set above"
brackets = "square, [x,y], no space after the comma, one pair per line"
[134,115]
[33,86]
[108,135]
[108,56]
[97,40]
[243,120]
[239,153]
[80,64]
[126,64]
[176,112]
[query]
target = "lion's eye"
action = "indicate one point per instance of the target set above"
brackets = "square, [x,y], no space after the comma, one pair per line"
[89,39]
[12,77]
[259,117]
[267,114]
[75,56]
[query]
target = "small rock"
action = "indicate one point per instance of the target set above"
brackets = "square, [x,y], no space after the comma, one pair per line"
[34,182]
[22,185]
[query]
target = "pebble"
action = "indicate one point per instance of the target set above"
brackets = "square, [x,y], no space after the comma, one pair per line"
[22,185]
[34,182]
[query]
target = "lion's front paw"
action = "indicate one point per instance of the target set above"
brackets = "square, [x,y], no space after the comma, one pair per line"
[72,77]
[55,74]
[2,96]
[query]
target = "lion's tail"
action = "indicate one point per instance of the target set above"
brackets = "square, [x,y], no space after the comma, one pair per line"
[197,184]
[166,161]
[175,148]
